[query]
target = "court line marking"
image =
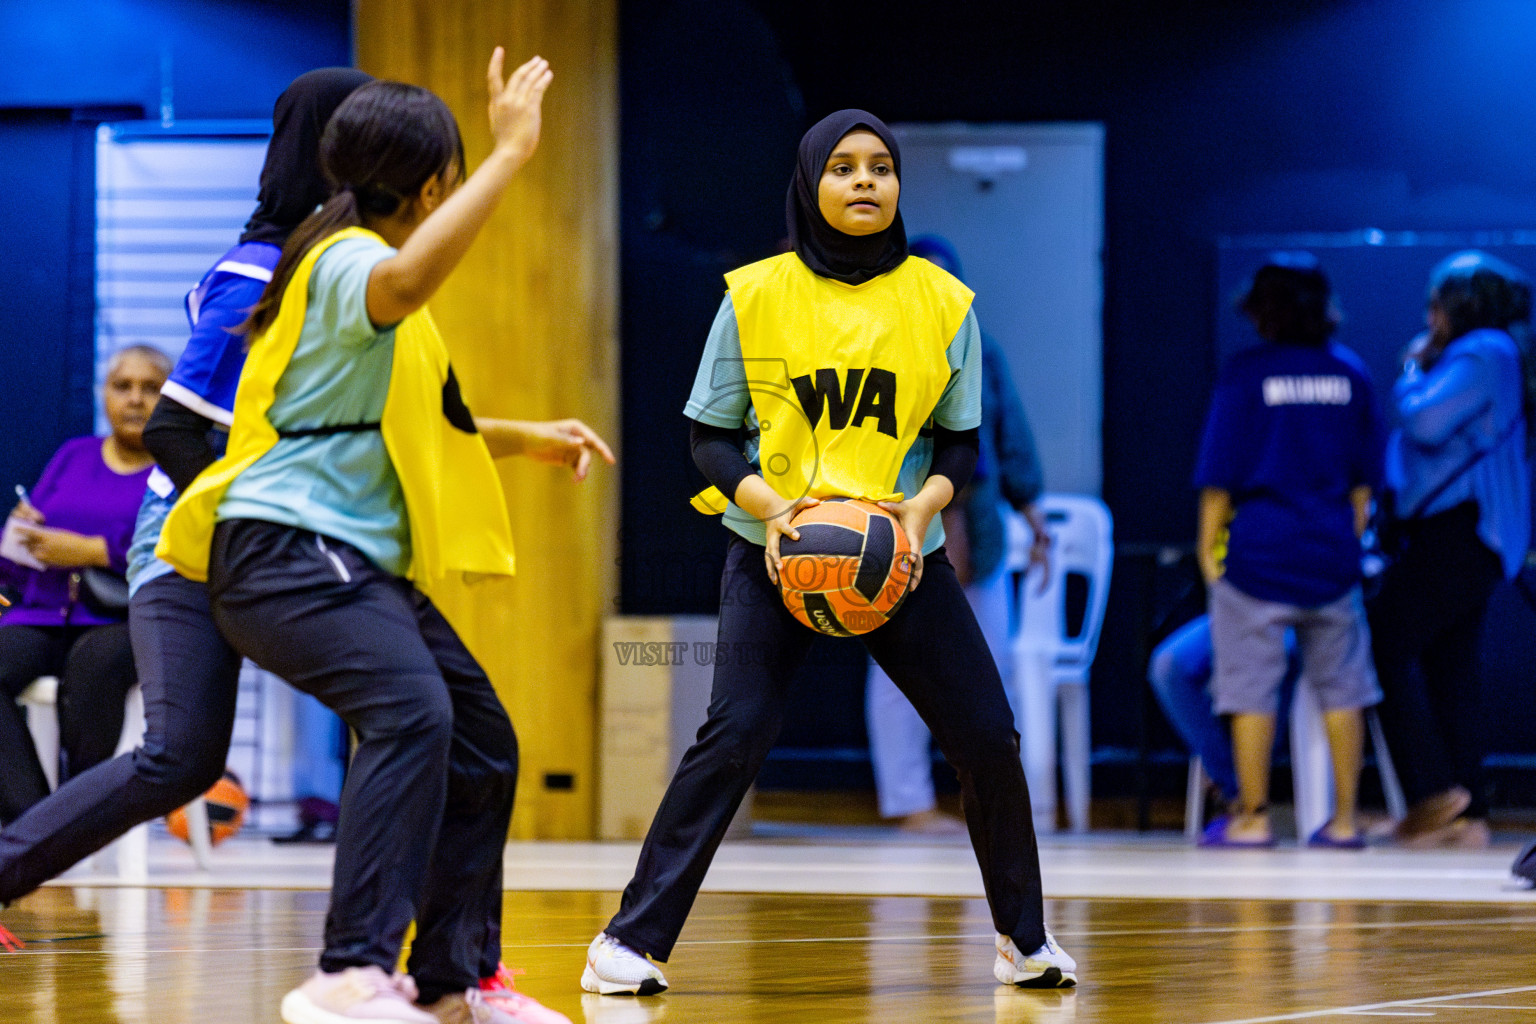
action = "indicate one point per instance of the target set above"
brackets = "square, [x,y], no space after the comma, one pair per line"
[1088,933]
[1365,1008]
[1299,927]
[1085,934]
[925,937]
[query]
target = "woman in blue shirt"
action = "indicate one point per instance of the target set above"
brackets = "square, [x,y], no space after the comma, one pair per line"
[1456,465]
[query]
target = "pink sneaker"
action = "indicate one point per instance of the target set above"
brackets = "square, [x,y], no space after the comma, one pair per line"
[357,994]
[500,991]
[472,1007]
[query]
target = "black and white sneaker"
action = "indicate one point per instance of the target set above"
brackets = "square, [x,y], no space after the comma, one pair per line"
[1047,967]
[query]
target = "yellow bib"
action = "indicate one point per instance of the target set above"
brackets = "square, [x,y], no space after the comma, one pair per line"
[453,497]
[842,377]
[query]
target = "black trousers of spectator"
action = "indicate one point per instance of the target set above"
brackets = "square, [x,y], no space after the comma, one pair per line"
[934,651]
[94,666]
[428,798]
[1426,624]
[190,678]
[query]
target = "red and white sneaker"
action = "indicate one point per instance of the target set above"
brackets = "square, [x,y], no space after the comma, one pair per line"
[9,942]
[500,992]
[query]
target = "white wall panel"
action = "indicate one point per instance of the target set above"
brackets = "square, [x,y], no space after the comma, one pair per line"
[169,201]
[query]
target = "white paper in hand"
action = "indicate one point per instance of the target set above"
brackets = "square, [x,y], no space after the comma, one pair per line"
[11,546]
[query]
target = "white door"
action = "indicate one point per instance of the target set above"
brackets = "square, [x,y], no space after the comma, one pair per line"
[1024,207]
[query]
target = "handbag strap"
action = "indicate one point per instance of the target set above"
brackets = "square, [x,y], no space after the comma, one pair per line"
[1464,468]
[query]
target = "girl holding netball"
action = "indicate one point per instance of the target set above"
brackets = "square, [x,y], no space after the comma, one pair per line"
[836,358]
[355,481]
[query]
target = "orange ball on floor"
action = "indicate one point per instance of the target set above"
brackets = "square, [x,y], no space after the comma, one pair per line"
[227,803]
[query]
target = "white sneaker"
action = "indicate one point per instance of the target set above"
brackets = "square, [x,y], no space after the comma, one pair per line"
[615,969]
[1047,967]
[357,995]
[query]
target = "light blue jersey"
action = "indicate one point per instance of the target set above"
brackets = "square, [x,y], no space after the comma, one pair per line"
[342,484]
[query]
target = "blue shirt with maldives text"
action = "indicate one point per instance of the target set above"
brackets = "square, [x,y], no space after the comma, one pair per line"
[1292,430]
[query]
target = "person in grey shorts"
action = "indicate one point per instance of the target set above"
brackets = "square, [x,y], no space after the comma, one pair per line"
[1248,640]
[1292,451]
[1334,645]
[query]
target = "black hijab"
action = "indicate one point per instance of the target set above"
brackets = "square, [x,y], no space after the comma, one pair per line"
[852,259]
[292,184]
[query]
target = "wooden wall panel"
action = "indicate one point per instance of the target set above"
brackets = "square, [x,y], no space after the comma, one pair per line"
[530,317]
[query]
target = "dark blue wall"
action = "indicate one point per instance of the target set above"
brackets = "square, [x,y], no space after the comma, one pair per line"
[66,67]
[42,390]
[1221,119]
[228,58]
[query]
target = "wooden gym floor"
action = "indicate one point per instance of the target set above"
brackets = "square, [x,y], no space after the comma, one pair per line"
[227,945]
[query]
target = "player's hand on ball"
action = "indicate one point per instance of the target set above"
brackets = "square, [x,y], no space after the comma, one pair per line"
[778,525]
[914,520]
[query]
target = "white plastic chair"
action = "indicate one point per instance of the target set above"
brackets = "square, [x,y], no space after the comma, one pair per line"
[1194,798]
[1051,663]
[1312,764]
[1311,770]
[130,851]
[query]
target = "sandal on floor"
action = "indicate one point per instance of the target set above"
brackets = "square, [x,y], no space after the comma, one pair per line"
[1461,834]
[1432,814]
[1321,840]
[1215,835]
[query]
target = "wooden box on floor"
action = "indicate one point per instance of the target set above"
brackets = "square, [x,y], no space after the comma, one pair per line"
[656,675]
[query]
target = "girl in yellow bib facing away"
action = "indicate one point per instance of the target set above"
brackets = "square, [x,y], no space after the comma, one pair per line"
[852,370]
[356,481]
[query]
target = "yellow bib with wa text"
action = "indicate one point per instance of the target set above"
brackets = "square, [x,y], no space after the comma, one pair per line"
[842,377]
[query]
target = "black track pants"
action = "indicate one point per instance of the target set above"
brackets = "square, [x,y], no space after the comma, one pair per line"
[935,653]
[1426,627]
[428,798]
[190,678]
[94,665]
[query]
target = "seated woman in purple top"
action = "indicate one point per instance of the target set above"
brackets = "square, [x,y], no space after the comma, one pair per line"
[81,513]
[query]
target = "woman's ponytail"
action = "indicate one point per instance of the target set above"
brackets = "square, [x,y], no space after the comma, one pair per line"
[381,146]
[339,211]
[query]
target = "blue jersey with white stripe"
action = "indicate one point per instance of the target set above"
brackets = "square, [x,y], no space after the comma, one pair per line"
[205,378]
[208,371]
